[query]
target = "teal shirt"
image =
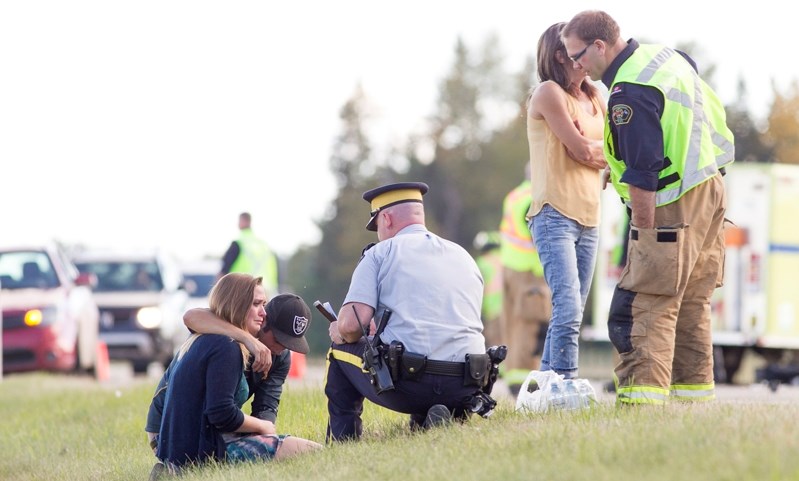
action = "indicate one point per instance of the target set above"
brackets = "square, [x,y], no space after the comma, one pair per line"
[242,391]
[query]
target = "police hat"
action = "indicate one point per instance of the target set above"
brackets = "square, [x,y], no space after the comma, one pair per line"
[392,194]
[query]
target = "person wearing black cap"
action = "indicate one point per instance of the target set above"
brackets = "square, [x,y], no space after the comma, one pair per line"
[285,321]
[433,288]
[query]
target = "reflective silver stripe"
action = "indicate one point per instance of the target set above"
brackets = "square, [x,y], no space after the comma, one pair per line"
[692,174]
[727,154]
[692,393]
[654,65]
[681,98]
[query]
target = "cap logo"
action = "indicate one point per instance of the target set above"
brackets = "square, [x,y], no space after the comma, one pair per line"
[300,325]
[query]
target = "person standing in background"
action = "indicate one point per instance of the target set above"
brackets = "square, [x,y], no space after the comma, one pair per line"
[564,129]
[667,142]
[251,255]
[525,295]
[489,262]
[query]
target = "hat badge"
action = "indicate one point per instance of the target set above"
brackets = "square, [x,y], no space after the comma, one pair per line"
[300,325]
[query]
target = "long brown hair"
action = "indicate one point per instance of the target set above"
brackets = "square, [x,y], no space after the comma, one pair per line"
[232,296]
[549,68]
[229,300]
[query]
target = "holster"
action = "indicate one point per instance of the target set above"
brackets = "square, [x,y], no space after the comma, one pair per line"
[477,367]
[395,350]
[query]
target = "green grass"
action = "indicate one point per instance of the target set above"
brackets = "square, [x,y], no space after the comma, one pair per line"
[66,428]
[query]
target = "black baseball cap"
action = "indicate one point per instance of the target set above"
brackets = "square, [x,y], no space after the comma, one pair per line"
[288,316]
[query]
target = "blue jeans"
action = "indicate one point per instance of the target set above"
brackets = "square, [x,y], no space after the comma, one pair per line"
[568,254]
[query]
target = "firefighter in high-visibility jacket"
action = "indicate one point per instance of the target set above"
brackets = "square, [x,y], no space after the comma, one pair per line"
[666,142]
[526,305]
[251,255]
[489,262]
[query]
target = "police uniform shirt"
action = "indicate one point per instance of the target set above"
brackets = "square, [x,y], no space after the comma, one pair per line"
[432,286]
[634,112]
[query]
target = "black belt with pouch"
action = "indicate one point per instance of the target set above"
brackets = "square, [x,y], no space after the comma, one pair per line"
[410,366]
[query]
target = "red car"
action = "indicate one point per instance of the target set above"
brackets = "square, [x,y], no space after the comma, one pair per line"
[50,320]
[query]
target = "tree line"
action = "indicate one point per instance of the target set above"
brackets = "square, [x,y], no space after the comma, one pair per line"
[471,161]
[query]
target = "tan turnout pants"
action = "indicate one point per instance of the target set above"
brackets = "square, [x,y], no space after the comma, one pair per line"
[660,313]
[526,310]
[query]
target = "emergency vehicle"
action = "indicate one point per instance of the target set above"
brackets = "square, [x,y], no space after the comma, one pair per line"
[757,309]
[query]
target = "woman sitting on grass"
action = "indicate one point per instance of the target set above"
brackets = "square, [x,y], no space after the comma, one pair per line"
[202,417]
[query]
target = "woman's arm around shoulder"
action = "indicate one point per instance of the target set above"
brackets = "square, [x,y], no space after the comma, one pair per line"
[204,321]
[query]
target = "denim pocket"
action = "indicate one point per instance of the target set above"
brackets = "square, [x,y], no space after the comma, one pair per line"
[654,261]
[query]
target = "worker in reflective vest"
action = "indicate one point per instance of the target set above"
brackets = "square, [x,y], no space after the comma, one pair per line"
[666,142]
[526,304]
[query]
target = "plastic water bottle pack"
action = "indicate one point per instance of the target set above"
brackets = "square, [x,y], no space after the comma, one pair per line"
[545,390]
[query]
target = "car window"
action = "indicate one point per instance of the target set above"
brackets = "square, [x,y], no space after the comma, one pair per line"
[199,285]
[26,270]
[115,276]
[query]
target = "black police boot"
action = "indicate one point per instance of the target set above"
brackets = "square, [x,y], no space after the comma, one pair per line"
[158,472]
[416,422]
[437,415]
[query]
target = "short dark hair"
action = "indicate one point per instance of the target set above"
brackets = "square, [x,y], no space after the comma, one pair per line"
[592,25]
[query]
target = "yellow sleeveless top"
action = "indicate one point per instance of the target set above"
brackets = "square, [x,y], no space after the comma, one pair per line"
[558,180]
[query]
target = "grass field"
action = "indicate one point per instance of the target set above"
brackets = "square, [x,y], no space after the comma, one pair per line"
[66,428]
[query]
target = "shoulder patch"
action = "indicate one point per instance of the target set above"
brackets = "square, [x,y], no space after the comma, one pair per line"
[621,114]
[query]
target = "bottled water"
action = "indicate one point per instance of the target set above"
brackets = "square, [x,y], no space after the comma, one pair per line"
[573,400]
[587,395]
[569,394]
[557,398]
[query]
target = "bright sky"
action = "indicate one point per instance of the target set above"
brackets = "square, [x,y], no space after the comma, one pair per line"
[155,122]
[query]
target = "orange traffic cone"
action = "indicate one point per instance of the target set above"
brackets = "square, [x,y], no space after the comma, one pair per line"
[297,369]
[102,367]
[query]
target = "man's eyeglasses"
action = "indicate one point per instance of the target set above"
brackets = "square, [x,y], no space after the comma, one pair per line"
[575,58]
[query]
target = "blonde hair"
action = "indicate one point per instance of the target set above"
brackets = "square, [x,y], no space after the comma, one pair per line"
[230,300]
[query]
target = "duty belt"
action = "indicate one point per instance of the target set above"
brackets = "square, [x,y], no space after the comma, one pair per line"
[410,366]
[445,368]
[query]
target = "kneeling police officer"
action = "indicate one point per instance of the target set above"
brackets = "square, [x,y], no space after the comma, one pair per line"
[425,294]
